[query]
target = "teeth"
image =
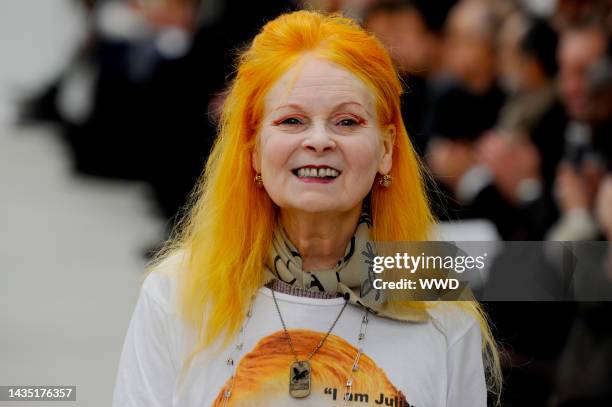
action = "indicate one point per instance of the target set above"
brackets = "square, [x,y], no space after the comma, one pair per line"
[317,172]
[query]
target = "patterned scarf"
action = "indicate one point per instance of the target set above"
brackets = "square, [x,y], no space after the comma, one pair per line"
[351,276]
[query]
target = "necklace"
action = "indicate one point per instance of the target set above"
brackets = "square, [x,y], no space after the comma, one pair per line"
[237,348]
[300,370]
[348,385]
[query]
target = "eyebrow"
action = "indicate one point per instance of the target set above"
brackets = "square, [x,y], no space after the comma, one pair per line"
[341,104]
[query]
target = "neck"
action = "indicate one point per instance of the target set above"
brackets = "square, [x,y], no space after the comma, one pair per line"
[321,238]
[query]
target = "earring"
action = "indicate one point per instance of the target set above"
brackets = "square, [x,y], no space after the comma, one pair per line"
[386,180]
[258,181]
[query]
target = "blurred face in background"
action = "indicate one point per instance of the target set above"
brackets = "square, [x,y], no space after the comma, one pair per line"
[405,36]
[509,59]
[468,50]
[320,145]
[578,50]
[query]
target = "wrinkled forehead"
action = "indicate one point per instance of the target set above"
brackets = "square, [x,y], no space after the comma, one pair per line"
[318,85]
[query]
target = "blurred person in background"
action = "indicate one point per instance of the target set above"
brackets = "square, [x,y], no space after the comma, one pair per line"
[580,46]
[460,166]
[600,119]
[581,169]
[128,99]
[548,368]
[534,111]
[523,150]
[133,41]
[585,368]
[468,55]
[521,155]
[410,32]
[464,87]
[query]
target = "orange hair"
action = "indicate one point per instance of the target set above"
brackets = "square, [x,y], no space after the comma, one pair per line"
[263,372]
[228,231]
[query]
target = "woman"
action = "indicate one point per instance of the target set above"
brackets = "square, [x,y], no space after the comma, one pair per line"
[248,305]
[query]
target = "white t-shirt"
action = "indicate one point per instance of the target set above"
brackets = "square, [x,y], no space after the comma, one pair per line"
[437,363]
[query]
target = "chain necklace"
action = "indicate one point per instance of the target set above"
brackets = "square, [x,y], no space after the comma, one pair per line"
[300,370]
[237,348]
[348,385]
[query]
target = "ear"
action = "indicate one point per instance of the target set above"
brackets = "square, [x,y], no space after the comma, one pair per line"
[387,153]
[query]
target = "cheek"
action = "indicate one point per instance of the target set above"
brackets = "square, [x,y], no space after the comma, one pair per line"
[363,155]
[275,151]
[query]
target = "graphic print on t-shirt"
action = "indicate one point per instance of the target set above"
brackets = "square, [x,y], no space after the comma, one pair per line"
[262,375]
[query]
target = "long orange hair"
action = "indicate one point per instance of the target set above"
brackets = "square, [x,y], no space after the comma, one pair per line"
[228,230]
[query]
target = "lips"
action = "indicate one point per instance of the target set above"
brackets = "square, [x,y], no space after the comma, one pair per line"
[316,171]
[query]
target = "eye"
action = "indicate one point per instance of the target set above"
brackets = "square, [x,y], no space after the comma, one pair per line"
[347,122]
[291,121]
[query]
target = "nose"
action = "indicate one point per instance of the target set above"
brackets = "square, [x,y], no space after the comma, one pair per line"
[318,140]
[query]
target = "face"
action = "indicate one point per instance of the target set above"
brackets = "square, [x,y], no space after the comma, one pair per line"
[320,145]
[405,36]
[509,61]
[578,50]
[468,53]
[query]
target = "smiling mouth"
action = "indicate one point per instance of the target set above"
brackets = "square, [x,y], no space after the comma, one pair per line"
[316,172]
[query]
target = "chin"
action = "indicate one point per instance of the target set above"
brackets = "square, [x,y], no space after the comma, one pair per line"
[319,204]
[322,210]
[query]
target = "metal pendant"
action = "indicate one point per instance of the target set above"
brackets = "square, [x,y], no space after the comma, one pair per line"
[299,379]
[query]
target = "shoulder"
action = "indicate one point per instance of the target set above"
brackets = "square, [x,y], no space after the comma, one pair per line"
[162,280]
[453,321]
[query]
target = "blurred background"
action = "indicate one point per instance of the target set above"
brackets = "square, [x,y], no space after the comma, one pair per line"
[108,109]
